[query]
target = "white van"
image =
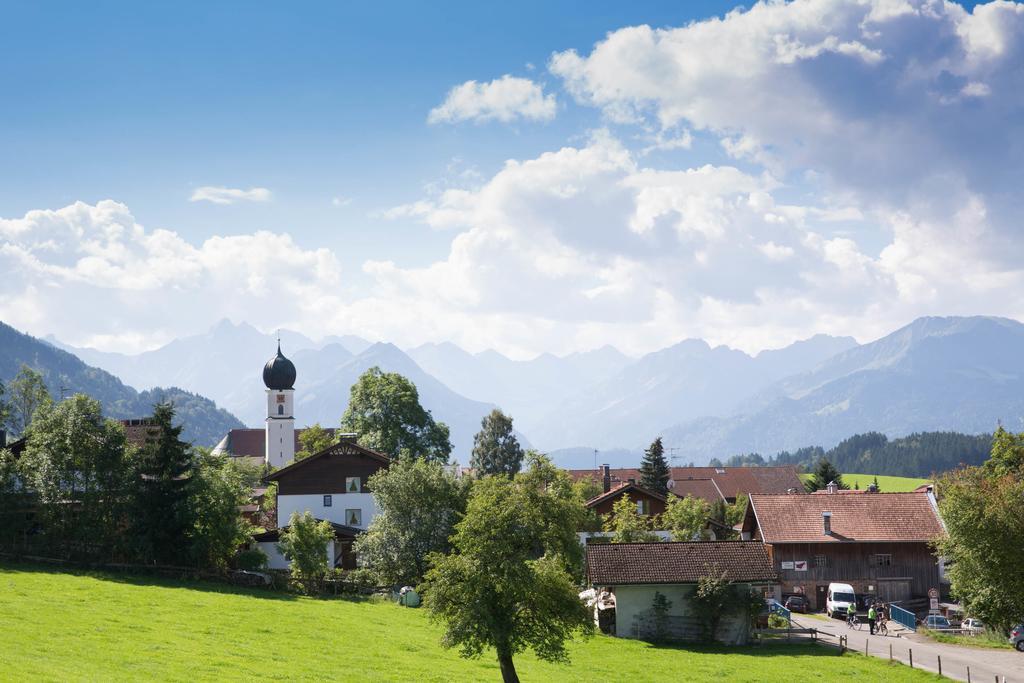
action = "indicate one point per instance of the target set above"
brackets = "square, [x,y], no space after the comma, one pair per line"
[840,597]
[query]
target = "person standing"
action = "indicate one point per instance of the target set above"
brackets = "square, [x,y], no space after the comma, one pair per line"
[871,618]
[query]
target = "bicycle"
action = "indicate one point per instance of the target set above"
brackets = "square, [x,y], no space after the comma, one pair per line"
[881,629]
[851,621]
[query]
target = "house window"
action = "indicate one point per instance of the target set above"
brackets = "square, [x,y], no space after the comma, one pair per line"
[643,507]
[352,485]
[883,560]
[327,501]
[354,517]
[280,410]
[820,561]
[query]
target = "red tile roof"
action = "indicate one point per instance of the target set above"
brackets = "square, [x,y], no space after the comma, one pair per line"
[880,517]
[731,481]
[620,489]
[698,488]
[252,443]
[616,564]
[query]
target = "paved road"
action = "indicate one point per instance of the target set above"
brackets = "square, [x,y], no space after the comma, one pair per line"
[985,664]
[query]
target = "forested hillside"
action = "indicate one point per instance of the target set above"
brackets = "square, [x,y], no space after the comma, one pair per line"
[65,374]
[916,455]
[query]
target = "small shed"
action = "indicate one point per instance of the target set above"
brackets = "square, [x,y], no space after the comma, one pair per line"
[636,572]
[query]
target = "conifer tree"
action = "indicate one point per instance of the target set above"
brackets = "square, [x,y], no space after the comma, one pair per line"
[654,470]
[163,514]
[824,474]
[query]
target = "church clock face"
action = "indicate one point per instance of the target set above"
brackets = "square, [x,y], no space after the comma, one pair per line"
[280,398]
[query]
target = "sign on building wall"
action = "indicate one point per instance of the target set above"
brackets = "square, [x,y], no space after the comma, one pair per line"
[787,565]
[800,565]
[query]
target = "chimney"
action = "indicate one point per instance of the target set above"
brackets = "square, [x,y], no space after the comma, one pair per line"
[826,520]
[831,487]
[872,488]
[606,473]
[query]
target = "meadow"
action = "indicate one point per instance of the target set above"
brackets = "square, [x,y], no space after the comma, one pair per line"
[73,626]
[885,482]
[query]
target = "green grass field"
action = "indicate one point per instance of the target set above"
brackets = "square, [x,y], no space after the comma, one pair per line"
[61,626]
[886,483]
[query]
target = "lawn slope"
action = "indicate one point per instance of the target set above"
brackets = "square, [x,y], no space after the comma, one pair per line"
[71,627]
[885,482]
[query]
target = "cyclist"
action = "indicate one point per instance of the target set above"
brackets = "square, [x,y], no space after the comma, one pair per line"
[872,615]
[851,615]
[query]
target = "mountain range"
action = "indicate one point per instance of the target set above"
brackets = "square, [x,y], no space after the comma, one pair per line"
[957,373]
[65,374]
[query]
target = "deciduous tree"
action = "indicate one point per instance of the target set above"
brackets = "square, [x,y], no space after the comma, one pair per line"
[982,511]
[506,585]
[76,462]
[654,469]
[314,439]
[627,524]
[304,543]
[384,410]
[686,518]
[217,489]
[496,449]
[26,393]
[420,503]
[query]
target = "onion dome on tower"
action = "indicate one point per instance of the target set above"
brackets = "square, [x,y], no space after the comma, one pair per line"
[279,372]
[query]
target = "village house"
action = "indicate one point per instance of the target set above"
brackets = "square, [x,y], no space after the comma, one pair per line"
[650,504]
[877,542]
[629,575]
[709,483]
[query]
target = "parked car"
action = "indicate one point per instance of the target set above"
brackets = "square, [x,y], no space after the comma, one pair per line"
[973,625]
[796,603]
[936,621]
[840,597]
[1017,637]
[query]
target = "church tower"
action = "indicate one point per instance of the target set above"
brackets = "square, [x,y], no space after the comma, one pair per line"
[279,376]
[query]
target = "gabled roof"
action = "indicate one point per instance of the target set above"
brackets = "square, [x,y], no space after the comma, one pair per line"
[880,517]
[616,564]
[731,481]
[343,447]
[706,489]
[622,489]
[341,532]
[252,443]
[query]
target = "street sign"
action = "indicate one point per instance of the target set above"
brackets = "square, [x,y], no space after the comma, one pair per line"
[933,593]
[934,605]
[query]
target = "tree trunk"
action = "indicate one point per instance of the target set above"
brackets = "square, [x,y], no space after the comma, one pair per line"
[508,669]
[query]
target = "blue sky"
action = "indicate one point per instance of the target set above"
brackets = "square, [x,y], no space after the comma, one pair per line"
[824,166]
[143,102]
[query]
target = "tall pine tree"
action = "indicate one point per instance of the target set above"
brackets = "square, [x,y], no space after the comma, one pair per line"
[163,514]
[654,469]
[824,473]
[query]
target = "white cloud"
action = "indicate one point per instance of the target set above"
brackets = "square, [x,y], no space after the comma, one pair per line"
[503,99]
[229,195]
[339,202]
[93,272]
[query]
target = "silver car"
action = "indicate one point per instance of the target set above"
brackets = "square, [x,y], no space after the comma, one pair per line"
[1017,637]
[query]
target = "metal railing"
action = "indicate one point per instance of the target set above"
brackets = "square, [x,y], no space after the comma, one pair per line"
[776,607]
[903,617]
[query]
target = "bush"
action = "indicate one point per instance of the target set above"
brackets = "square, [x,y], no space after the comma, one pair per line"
[251,560]
[777,621]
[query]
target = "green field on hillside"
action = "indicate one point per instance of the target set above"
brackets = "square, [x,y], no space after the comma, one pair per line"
[886,483]
[72,627]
